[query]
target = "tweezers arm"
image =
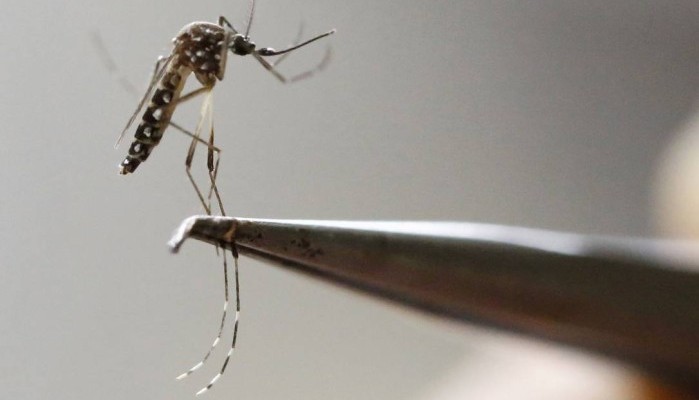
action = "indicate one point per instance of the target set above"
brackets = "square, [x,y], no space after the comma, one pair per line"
[637,300]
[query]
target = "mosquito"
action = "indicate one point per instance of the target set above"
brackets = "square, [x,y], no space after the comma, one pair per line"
[201,49]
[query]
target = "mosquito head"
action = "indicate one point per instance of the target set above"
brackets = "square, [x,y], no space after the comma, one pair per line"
[241,45]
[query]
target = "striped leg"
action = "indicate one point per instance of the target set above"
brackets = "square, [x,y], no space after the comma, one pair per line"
[235,327]
[207,114]
[223,321]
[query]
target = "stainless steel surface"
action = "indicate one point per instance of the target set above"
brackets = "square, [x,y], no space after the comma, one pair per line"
[634,299]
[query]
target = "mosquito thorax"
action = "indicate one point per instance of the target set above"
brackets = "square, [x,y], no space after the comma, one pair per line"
[241,45]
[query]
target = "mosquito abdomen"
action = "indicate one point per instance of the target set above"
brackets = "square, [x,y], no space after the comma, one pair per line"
[156,116]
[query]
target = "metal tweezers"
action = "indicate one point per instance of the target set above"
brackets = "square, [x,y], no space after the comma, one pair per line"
[636,300]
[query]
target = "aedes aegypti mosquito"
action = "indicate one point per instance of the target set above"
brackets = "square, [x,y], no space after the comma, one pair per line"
[200,48]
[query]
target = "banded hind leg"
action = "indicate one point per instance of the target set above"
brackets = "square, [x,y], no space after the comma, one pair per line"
[235,323]
[206,115]
[158,71]
[223,317]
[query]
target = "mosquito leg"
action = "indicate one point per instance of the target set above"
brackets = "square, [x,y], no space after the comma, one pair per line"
[223,321]
[191,95]
[191,135]
[235,325]
[222,21]
[270,68]
[190,153]
[211,149]
[318,68]
[206,113]
[111,65]
[187,97]
[215,175]
[213,166]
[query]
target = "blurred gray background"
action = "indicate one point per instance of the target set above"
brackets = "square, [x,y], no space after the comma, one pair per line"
[547,114]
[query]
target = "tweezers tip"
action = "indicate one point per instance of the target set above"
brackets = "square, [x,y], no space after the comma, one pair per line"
[181,234]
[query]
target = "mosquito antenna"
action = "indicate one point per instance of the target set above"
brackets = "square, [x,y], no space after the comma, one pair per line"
[268,51]
[252,13]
